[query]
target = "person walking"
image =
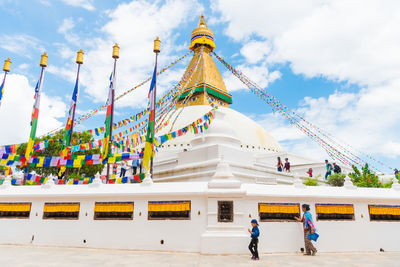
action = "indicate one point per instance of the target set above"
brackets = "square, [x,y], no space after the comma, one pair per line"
[336,168]
[279,166]
[328,169]
[114,168]
[135,165]
[141,154]
[123,169]
[255,233]
[286,168]
[309,172]
[308,229]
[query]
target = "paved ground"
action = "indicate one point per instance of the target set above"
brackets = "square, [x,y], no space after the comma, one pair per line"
[51,256]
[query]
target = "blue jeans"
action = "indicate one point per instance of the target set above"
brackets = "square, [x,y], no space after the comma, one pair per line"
[327,174]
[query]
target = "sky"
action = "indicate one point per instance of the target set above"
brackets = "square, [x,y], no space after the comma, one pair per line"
[337,63]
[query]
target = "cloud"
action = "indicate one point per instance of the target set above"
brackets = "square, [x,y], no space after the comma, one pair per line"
[66,28]
[367,119]
[86,4]
[133,26]
[16,109]
[289,137]
[45,2]
[67,25]
[351,41]
[21,44]
[259,73]
[254,51]
[23,66]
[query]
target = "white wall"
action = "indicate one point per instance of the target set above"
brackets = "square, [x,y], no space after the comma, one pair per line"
[202,233]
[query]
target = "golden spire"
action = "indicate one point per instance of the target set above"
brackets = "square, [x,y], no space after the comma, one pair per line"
[202,35]
[207,77]
[202,22]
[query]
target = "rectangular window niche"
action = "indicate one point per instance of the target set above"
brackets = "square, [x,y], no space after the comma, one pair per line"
[384,212]
[334,212]
[61,211]
[225,211]
[18,210]
[169,210]
[113,210]
[278,211]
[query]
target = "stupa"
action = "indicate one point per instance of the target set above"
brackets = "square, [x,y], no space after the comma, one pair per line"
[256,151]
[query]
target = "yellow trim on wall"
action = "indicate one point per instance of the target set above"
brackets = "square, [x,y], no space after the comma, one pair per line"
[277,208]
[21,207]
[390,210]
[169,206]
[60,207]
[334,209]
[113,207]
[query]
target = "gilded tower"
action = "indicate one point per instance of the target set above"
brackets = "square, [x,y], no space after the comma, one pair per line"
[207,76]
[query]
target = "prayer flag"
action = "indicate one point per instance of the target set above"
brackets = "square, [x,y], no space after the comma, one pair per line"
[148,149]
[1,91]
[70,121]
[110,103]
[34,120]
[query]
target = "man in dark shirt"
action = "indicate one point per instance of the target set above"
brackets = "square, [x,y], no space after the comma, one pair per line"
[336,168]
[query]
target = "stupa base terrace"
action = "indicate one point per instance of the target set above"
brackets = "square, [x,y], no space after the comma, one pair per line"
[207,217]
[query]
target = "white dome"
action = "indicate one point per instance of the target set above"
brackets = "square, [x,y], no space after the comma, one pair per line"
[251,135]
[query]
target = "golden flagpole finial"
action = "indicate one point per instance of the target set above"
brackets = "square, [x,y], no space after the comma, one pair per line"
[115,53]
[157,45]
[43,60]
[7,65]
[79,57]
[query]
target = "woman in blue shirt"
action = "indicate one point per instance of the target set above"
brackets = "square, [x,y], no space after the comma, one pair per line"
[308,227]
[255,233]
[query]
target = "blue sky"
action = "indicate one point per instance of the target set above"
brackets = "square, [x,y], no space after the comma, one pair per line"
[337,64]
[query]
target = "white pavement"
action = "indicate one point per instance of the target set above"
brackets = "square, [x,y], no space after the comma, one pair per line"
[16,256]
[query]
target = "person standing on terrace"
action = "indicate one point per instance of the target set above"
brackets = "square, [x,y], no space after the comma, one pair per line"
[279,166]
[286,168]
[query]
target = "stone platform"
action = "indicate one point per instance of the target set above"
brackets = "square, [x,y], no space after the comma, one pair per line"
[55,256]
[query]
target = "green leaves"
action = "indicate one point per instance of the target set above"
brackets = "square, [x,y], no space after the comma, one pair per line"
[54,149]
[336,179]
[366,178]
[311,182]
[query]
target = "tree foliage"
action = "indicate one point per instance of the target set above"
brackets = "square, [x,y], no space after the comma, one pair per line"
[366,178]
[311,181]
[54,149]
[336,179]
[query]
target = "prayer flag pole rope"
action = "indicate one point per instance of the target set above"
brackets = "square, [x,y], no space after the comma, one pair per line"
[342,154]
[95,111]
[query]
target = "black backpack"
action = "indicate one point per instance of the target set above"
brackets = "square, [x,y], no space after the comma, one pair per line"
[337,169]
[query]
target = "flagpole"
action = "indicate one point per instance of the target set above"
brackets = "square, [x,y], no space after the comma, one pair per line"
[35,115]
[6,69]
[79,61]
[115,56]
[156,50]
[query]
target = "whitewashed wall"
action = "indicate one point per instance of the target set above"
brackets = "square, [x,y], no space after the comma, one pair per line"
[202,233]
